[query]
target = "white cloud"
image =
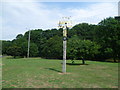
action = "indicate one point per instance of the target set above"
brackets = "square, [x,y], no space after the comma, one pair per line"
[94,13]
[17,16]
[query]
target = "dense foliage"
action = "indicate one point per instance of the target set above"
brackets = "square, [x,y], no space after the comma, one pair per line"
[79,49]
[87,41]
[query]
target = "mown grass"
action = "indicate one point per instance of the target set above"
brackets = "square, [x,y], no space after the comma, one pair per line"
[46,73]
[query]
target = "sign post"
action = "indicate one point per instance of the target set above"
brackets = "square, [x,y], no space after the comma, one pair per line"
[28,45]
[64,48]
[64,24]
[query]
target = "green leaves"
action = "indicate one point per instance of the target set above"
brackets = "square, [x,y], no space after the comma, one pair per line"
[53,48]
[108,36]
[84,41]
[14,51]
[78,49]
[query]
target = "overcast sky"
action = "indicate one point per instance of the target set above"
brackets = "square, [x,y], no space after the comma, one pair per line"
[18,17]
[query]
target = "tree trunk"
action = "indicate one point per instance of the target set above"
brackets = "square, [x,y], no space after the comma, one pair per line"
[83,61]
[72,61]
[114,59]
[14,56]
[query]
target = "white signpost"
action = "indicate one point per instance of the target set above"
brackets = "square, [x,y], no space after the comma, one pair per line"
[65,23]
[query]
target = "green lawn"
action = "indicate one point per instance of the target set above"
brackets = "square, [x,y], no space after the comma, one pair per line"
[46,73]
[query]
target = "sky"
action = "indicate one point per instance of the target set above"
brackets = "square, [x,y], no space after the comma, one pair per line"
[19,17]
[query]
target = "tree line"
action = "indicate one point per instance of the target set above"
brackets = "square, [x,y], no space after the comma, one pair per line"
[85,41]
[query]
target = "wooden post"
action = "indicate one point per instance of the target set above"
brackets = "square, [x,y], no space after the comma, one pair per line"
[64,47]
[65,23]
[64,57]
[28,45]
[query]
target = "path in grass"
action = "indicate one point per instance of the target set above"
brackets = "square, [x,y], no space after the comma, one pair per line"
[43,73]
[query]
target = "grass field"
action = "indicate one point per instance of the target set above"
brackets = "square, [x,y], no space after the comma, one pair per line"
[46,73]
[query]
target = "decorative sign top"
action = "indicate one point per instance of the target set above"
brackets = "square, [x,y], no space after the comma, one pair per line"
[65,22]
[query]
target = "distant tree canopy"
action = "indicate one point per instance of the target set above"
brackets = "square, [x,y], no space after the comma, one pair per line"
[88,41]
[108,36]
[53,48]
[19,36]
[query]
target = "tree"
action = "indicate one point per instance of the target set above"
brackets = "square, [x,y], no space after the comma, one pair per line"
[19,36]
[5,46]
[84,41]
[82,49]
[37,37]
[53,48]
[21,50]
[108,36]
[24,47]
[84,31]
[33,49]
[40,37]
[14,51]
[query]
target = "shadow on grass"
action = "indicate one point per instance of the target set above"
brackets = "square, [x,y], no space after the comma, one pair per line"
[76,64]
[53,69]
